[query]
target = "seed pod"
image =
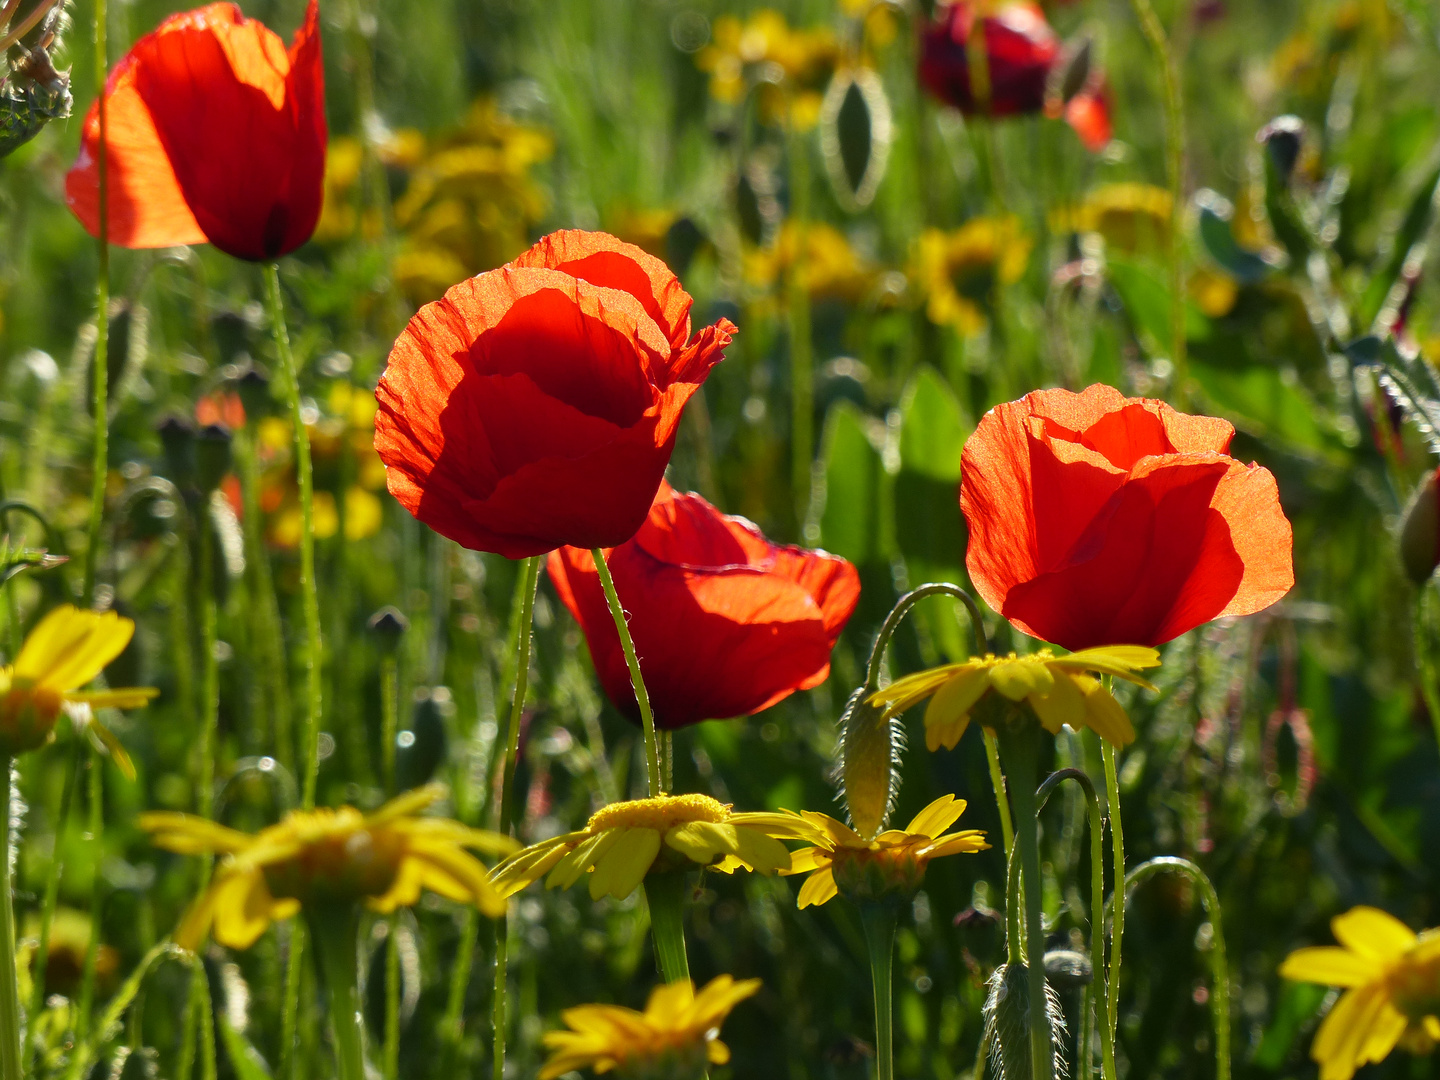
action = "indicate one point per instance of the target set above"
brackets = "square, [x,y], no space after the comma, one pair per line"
[869,772]
[1420,531]
[1007,1023]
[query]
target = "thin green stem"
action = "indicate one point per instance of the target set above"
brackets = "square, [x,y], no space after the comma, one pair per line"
[290,1009]
[1219,967]
[41,961]
[647,719]
[335,931]
[389,720]
[452,1026]
[97,898]
[1154,33]
[209,675]
[802,358]
[879,921]
[665,896]
[100,462]
[390,1065]
[309,595]
[524,631]
[1097,918]
[1424,623]
[997,781]
[902,608]
[1021,754]
[264,607]
[10,1066]
[1117,925]
[1014,907]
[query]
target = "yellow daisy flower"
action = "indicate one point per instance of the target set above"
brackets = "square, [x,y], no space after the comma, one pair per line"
[676,1036]
[328,857]
[894,861]
[64,652]
[1130,216]
[1391,977]
[625,841]
[959,270]
[1058,689]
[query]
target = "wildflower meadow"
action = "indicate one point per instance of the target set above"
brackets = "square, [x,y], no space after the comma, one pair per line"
[720,539]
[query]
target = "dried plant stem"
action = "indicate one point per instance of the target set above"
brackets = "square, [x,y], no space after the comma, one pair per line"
[100,461]
[1171,92]
[525,617]
[647,718]
[309,757]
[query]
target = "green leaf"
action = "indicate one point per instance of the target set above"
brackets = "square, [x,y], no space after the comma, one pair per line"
[1411,232]
[244,1058]
[932,427]
[846,502]
[1261,402]
[1146,296]
[1220,243]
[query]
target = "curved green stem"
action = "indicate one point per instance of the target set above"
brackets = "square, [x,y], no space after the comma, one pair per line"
[665,896]
[1019,741]
[10,1067]
[335,932]
[997,781]
[902,608]
[1117,925]
[1219,968]
[309,595]
[647,719]
[1097,920]
[100,462]
[879,921]
[1175,176]
[525,615]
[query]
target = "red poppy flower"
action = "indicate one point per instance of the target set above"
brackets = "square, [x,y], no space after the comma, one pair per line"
[1097,519]
[537,405]
[1020,46]
[725,622]
[215,133]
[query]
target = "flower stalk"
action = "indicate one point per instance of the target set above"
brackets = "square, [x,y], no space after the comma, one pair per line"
[524,618]
[665,896]
[1111,1012]
[101,459]
[1019,744]
[879,918]
[647,718]
[10,1067]
[334,931]
[309,594]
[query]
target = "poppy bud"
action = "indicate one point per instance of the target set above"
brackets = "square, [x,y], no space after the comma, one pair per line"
[1283,138]
[212,456]
[869,763]
[388,625]
[177,438]
[253,385]
[1007,1023]
[1068,969]
[1420,531]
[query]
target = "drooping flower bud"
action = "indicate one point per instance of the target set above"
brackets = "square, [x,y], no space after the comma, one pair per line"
[388,625]
[212,456]
[253,385]
[1007,1023]
[869,771]
[1420,531]
[1283,138]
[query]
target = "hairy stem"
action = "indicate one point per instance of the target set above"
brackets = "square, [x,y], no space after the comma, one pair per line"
[10,1067]
[100,462]
[647,719]
[997,781]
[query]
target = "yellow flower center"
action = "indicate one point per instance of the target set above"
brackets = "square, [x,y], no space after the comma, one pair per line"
[662,813]
[1414,982]
[339,858]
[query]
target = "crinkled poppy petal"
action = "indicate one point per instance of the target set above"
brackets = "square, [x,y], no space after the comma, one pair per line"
[1249,501]
[603,260]
[516,413]
[1157,556]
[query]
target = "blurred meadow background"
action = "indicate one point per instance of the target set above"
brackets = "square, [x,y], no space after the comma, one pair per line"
[1292,755]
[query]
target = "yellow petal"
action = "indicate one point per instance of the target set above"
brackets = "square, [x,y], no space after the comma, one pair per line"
[625,864]
[718,1052]
[1103,713]
[130,697]
[960,843]
[819,888]
[1342,1035]
[764,854]
[703,842]
[954,700]
[1372,933]
[569,869]
[946,733]
[1330,966]
[937,817]
[1385,1031]
[70,647]
[806,860]
[186,834]
[407,804]
[1018,679]
[1064,704]
[1122,661]
[242,909]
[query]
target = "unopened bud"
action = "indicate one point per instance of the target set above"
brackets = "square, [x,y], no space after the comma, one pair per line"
[212,457]
[253,385]
[1007,1023]
[1420,531]
[177,439]
[1283,138]
[1068,969]
[869,763]
[388,625]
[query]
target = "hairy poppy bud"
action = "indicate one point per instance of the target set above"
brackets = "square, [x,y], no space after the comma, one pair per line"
[1420,531]
[1283,138]
[869,771]
[1007,1023]
[177,440]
